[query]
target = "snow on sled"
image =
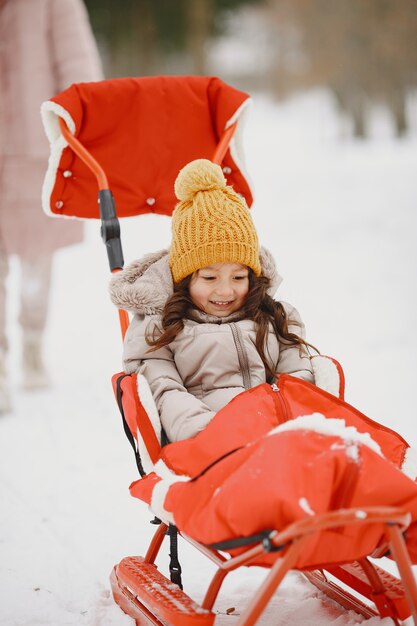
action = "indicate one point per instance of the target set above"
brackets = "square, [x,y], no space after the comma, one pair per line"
[311,484]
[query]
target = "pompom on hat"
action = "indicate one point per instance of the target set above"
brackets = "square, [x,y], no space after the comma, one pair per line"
[211,223]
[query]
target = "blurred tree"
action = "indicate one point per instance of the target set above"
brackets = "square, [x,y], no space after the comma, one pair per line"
[127,35]
[199,26]
[365,51]
[147,37]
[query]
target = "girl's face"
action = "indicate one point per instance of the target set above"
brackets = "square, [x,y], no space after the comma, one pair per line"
[220,289]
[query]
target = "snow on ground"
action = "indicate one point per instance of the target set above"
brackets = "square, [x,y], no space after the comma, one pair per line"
[339,215]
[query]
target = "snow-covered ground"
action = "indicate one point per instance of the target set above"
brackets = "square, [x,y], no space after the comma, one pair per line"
[340,217]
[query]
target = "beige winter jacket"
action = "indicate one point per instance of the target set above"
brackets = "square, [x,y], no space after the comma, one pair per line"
[210,361]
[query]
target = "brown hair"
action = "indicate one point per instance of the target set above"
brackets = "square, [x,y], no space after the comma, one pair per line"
[258,306]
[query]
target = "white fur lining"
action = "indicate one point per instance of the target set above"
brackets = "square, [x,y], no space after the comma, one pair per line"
[326,374]
[409,465]
[50,112]
[318,423]
[237,115]
[236,143]
[148,403]
[161,489]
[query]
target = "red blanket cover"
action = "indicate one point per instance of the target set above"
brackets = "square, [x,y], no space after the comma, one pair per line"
[261,465]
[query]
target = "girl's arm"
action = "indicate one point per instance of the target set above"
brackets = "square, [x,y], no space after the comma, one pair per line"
[182,414]
[294,359]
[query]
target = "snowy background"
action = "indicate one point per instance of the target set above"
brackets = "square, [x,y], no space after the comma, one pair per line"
[340,217]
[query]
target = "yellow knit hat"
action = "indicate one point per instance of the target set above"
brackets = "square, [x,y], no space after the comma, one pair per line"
[211,223]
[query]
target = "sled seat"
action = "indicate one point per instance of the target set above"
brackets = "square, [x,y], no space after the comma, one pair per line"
[150,598]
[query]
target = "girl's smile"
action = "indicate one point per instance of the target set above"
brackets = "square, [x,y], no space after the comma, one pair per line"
[220,289]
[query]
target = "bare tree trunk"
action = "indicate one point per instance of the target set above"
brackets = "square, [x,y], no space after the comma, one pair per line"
[359,127]
[397,105]
[198,15]
[353,105]
[145,39]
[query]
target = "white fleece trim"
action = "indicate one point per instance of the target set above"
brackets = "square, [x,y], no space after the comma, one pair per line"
[157,502]
[162,469]
[409,465]
[148,403]
[161,489]
[238,113]
[326,374]
[318,423]
[50,112]
[236,146]
[146,398]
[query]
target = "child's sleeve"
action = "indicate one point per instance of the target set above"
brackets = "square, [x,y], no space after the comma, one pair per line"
[294,359]
[182,414]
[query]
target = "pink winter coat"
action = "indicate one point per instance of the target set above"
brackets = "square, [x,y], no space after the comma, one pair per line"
[45,46]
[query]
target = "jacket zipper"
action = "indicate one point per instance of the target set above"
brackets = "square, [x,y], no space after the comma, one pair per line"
[281,400]
[242,356]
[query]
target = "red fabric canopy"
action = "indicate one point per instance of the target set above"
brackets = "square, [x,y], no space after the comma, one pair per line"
[141,131]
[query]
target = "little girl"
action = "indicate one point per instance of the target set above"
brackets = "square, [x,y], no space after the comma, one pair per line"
[206,327]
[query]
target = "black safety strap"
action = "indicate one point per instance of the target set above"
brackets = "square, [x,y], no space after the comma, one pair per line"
[174,564]
[239,542]
[126,428]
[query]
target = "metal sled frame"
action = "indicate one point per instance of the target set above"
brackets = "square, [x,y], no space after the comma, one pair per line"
[152,599]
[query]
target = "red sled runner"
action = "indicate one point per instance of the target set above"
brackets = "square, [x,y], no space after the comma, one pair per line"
[289,477]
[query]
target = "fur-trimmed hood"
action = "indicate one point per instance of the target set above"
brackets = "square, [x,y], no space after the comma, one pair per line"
[145,285]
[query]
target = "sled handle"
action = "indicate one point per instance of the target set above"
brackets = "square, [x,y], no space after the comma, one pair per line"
[115,258]
[84,155]
[342,517]
[403,561]
[123,314]
[223,144]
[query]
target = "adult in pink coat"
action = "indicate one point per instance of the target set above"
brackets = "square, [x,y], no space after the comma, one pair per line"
[45,46]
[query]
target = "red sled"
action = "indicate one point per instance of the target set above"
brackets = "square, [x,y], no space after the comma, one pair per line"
[120,132]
